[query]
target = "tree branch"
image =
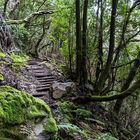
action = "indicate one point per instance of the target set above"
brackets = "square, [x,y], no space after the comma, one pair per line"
[122,95]
[27,19]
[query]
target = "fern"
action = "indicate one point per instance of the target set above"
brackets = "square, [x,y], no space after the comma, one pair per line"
[74,129]
[105,136]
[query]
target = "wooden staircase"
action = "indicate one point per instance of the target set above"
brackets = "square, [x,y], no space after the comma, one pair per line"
[43,76]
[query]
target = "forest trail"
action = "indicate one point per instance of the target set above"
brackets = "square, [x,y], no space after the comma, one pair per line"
[43,75]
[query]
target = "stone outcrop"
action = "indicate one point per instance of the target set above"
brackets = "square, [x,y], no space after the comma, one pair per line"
[59,89]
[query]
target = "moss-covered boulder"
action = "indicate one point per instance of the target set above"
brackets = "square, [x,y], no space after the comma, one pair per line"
[20,108]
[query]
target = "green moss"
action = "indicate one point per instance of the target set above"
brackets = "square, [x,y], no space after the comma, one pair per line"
[2,55]
[83,112]
[1,77]
[18,60]
[17,107]
[66,106]
[51,126]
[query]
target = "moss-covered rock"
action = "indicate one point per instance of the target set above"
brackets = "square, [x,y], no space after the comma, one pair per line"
[18,60]
[3,55]
[18,107]
[51,126]
[1,77]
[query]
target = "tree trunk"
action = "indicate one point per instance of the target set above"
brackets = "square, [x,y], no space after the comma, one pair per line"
[104,75]
[78,42]
[84,45]
[100,43]
[127,83]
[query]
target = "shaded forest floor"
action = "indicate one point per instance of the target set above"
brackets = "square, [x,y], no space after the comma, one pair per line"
[76,121]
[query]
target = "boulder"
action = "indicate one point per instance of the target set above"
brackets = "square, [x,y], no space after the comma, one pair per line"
[23,116]
[60,89]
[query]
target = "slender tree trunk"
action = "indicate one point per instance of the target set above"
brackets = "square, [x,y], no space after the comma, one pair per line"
[69,48]
[104,75]
[5,7]
[100,43]
[127,83]
[84,45]
[78,42]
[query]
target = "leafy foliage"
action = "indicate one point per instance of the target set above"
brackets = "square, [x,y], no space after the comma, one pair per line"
[73,129]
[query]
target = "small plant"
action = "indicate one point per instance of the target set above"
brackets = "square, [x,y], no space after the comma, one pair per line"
[18,60]
[83,112]
[105,136]
[73,129]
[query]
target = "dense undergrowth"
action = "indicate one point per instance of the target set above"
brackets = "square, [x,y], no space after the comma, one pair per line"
[19,108]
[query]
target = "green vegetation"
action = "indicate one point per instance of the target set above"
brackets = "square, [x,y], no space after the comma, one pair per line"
[73,129]
[69,110]
[28,107]
[51,126]
[105,136]
[3,55]
[95,43]
[83,112]
[1,77]
[18,60]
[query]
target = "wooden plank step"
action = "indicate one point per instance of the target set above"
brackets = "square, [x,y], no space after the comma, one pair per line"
[43,89]
[39,94]
[46,77]
[46,82]
[45,85]
[34,68]
[42,74]
[33,63]
[43,80]
[39,71]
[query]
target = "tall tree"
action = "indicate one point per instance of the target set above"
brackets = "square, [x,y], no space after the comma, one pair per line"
[84,44]
[105,74]
[78,41]
[127,83]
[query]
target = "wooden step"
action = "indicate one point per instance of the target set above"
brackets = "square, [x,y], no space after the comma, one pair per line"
[43,75]
[39,94]
[42,89]
[35,68]
[46,79]
[46,82]
[39,71]
[43,85]
[33,63]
